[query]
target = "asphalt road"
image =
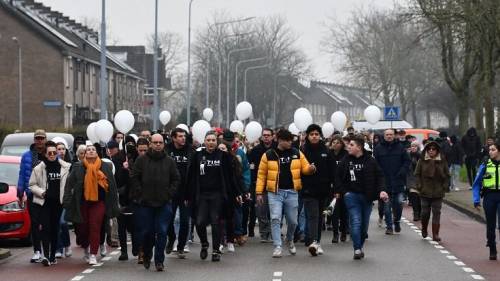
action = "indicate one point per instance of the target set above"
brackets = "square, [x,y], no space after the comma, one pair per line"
[399,257]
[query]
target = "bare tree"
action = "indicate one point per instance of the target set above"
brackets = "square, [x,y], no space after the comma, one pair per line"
[95,24]
[171,49]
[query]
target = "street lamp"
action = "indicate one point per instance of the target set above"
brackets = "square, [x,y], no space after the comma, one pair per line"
[245,77]
[188,112]
[227,77]
[20,80]
[155,114]
[103,85]
[236,77]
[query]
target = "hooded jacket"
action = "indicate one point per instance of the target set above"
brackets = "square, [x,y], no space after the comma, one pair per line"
[432,175]
[394,160]
[318,184]
[471,144]
[155,179]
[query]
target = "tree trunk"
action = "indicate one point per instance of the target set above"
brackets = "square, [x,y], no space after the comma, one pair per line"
[489,110]
[463,111]
[414,114]
[428,117]
[478,106]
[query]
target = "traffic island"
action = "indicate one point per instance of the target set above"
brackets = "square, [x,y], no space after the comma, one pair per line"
[4,253]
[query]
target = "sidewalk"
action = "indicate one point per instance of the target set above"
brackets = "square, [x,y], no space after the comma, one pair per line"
[462,201]
[4,253]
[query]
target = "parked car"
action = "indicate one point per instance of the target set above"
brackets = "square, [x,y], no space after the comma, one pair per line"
[14,216]
[17,144]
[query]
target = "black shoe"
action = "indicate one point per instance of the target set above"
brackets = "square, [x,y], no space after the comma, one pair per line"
[343,236]
[204,253]
[493,253]
[397,227]
[135,252]
[389,231]
[169,248]
[216,256]
[45,262]
[159,267]
[335,238]
[123,257]
[147,263]
[251,233]
[362,254]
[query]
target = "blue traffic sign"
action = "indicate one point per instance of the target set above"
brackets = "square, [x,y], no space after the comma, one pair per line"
[392,113]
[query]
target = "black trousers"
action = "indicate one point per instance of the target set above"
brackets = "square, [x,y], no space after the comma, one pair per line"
[35,211]
[249,217]
[126,223]
[471,166]
[49,219]
[314,210]
[339,217]
[209,212]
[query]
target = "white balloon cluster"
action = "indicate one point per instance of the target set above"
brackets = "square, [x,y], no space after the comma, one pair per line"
[101,130]
[237,127]
[339,120]
[124,121]
[253,131]
[372,114]
[200,129]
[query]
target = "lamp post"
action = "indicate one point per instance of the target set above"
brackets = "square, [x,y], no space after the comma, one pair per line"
[236,77]
[103,86]
[156,105]
[188,112]
[245,77]
[20,80]
[227,77]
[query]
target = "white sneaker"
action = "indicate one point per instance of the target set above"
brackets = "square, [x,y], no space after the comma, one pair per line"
[45,261]
[37,257]
[320,250]
[175,247]
[221,248]
[277,252]
[380,222]
[92,260]
[313,249]
[186,249]
[291,248]
[68,251]
[86,254]
[59,255]
[230,247]
[103,250]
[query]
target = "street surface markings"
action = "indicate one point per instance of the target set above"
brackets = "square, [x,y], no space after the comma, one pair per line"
[276,279]
[414,227]
[468,269]
[451,257]
[97,265]
[459,263]
[106,259]
[278,274]
[115,253]
[438,247]
[89,270]
[434,242]
[77,278]
[477,277]
[444,252]
[410,224]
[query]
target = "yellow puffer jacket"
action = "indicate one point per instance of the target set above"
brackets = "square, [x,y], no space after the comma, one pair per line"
[268,175]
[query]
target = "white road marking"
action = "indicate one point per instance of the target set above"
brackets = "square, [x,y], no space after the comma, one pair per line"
[459,263]
[414,227]
[106,259]
[477,277]
[438,247]
[276,279]
[97,265]
[89,270]
[129,243]
[410,224]
[115,253]
[77,278]
[451,257]
[468,269]
[444,252]
[434,242]
[278,274]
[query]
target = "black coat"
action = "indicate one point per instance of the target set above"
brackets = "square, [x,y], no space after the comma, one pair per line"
[373,177]
[254,157]
[318,185]
[182,158]
[471,144]
[395,163]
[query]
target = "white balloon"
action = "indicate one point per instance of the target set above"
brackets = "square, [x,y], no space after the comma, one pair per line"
[339,120]
[208,114]
[243,110]
[236,126]
[91,132]
[372,114]
[124,121]
[200,129]
[327,129]
[184,127]
[134,136]
[302,118]
[293,129]
[253,131]
[104,130]
[60,140]
[164,117]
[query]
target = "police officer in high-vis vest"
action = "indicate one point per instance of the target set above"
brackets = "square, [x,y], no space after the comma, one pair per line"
[487,185]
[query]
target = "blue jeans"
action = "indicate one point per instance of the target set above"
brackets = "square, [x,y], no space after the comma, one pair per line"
[63,240]
[455,175]
[238,221]
[393,209]
[154,223]
[180,225]
[359,209]
[287,201]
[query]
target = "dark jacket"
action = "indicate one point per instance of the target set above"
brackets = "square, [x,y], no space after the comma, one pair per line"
[182,158]
[411,180]
[254,157]
[372,178]
[471,144]
[318,185]
[336,158]
[432,175]
[154,179]
[229,188]
[456,155]
[394,160]
[73,192]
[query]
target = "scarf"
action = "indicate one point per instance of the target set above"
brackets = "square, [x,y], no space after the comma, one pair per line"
[94,178]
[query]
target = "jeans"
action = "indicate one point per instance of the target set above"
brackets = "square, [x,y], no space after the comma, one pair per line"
[393,209]
[287,201]
[471,165]
[238,221]
[455,175]
[301,219]
[263,214]
[339,217]
[183,225]
[491,205]
[314,210]
[63,240]
[359,209]
[154,224]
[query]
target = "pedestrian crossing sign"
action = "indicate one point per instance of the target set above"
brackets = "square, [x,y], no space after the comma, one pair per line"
[391,113]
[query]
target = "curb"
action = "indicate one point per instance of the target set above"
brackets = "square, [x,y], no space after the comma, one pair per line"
[464,210]
[4,253]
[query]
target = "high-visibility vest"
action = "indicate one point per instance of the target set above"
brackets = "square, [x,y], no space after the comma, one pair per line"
[491,176]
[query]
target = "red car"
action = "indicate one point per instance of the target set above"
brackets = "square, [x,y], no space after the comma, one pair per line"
[14,216]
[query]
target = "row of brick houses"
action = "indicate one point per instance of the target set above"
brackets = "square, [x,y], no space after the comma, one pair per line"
[61,70]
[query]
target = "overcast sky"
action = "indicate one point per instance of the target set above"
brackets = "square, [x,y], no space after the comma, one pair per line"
[131,20]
